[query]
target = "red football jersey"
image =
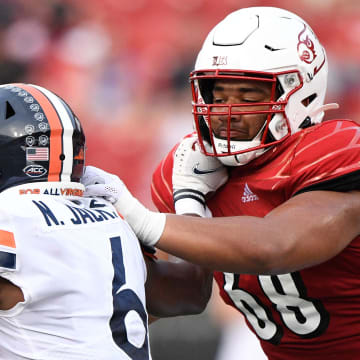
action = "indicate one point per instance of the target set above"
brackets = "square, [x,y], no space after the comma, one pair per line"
[309,314]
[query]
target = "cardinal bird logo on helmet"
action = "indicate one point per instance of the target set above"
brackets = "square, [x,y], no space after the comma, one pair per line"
[306,47]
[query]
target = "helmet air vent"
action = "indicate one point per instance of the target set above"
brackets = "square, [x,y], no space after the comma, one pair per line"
[307,101]
[306,123]
[9,111]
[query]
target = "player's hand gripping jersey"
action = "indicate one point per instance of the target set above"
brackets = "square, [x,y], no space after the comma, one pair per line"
[313,312]
[88,308]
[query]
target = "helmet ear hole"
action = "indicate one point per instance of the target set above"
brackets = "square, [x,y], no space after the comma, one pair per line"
[9,111]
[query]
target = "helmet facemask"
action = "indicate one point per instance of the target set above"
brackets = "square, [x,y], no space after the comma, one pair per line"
[229,149]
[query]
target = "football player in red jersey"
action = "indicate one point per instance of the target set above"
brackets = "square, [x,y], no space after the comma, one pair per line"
[279,182]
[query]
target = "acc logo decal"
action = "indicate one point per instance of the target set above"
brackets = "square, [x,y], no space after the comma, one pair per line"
[34,170]
[306,47]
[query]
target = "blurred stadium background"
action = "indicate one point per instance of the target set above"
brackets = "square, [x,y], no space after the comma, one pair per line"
[123,66]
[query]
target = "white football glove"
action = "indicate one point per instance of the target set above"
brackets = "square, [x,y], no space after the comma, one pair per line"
[147,225]
[195,175]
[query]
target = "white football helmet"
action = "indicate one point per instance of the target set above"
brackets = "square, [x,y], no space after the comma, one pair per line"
[260,44]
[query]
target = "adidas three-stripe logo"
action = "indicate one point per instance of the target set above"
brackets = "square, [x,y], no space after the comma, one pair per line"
[248,195]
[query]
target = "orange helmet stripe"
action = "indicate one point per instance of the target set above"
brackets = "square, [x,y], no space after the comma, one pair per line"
[56,146]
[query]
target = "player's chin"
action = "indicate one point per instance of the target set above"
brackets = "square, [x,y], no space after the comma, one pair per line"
[232,138]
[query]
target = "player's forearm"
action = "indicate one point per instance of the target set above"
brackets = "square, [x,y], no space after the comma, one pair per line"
[219,243]
[177,288]
[306,231]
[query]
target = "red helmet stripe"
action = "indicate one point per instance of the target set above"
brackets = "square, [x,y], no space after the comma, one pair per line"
[56,146]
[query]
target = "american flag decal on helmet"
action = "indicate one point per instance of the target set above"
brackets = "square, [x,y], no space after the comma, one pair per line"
[37,154]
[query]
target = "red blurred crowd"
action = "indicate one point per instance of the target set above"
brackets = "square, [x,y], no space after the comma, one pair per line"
[123,66]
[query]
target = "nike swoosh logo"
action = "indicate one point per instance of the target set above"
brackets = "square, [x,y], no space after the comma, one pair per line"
[273,49]
[202,172]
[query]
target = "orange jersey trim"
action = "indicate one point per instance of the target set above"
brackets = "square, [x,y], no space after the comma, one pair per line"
[7,239]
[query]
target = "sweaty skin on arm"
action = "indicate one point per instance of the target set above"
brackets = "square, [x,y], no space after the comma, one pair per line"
[306,230]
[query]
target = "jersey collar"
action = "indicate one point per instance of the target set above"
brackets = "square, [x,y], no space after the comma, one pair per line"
[66,189]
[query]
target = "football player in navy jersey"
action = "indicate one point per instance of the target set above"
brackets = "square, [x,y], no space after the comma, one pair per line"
[280,183]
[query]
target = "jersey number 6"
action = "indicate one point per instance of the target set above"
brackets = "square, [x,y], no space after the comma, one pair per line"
[126,301]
